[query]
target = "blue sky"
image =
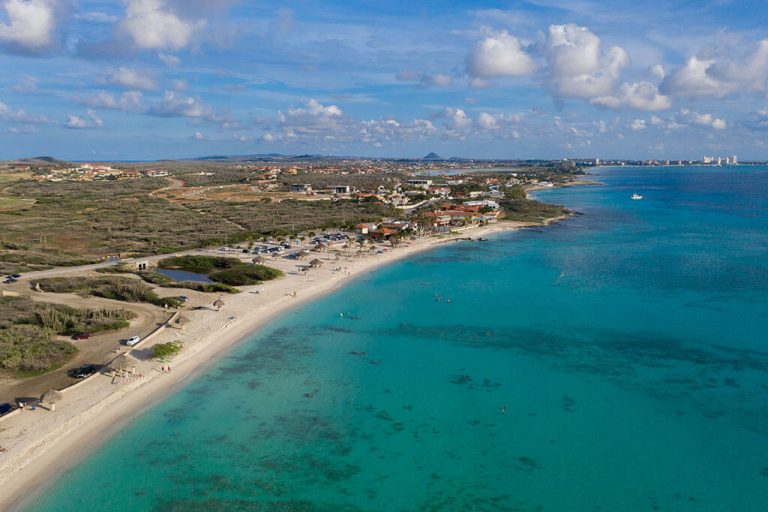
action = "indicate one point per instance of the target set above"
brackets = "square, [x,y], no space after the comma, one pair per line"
[150,79]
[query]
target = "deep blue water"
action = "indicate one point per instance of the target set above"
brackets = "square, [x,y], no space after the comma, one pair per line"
[614,362]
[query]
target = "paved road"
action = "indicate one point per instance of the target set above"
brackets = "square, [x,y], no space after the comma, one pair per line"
[97,350]
[59,271]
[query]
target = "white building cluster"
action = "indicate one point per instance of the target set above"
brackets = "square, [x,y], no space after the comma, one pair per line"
[717,160]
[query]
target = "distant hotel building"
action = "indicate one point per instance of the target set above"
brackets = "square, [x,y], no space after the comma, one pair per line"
[716,160]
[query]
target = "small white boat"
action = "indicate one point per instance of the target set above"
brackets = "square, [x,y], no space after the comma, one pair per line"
[636,197]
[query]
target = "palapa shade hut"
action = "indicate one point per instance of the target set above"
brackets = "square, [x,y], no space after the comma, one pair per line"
[302,254]
[51,398]
[218,304]
[258,260]
[315,263]
[123,363]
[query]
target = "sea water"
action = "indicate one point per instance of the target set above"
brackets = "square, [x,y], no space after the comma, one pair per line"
[614,362]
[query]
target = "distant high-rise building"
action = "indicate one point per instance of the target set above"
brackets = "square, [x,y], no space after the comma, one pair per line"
[708,159]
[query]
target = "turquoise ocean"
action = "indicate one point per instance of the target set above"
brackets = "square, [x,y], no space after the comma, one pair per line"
[614,362]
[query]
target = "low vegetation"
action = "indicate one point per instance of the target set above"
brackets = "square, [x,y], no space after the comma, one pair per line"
[119,288]
[28,330]
[27,350]
[225,271]
[67,223]
[167,282]
[61,319]
[199,264]
[518,207]
[246,275]
[165,350]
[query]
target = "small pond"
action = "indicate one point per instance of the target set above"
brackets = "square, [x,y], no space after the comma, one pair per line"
[183,275]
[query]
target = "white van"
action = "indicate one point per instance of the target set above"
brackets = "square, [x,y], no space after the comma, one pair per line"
[133,340]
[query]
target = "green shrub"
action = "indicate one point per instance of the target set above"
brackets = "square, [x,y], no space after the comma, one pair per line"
[31,350]
[61,319]
[199,264]
[163,350]
[171,302]
[528,210]
[246,274]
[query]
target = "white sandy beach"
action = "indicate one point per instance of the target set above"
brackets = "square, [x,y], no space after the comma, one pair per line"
[40,445]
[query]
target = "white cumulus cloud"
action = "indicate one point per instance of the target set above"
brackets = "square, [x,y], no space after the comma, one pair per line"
[128,101]
[499,54]
[379,131]
[721,73]
[21,116]
[157,24]
[703,119]
[30,25]
[316,121]
[577,67]
[91,120]
[130,79]
[175,104]
[638,96]
[437,80]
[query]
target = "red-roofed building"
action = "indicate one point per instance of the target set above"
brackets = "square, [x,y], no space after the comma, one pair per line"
[384,233]
[364,229]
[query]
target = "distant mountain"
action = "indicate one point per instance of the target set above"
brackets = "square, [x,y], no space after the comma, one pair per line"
[433,156]
[42,160]
[261,157]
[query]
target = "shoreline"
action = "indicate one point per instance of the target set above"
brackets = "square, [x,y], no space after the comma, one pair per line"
[42,445]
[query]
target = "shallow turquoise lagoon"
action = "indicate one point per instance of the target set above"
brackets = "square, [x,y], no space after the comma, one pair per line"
[614,362]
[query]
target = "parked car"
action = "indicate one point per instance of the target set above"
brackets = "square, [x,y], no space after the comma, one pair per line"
[84,371]
[183,298]
[133,340]
[6,408]
[82,336]
[15,276]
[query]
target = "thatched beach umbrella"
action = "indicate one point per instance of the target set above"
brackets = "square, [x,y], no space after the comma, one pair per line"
[315,262]
[123,362]
[258,260]
[218,304]
[52,397]
[302,254]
